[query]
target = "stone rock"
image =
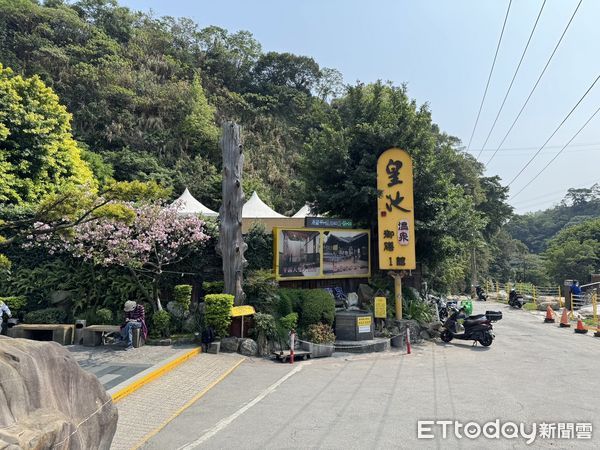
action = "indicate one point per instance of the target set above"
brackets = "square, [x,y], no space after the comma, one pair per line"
[48,401]
[413,325]
[230,344]
[352,299]
[424,334]
[544,305]
[365,294]
[434,326]
[176,310]
[213,348]
[248,347]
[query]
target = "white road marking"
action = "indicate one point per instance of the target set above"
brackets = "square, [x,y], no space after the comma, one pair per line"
[221,425]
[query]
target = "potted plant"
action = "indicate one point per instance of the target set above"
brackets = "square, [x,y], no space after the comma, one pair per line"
[319,340]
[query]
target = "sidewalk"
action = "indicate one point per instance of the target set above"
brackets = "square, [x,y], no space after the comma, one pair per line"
[147,410]
[115,367]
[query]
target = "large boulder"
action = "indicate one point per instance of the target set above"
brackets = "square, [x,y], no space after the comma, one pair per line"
[248,347]
[230,344]
[365,294]
[48,401]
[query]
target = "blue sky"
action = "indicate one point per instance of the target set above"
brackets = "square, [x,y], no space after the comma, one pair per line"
[443,50]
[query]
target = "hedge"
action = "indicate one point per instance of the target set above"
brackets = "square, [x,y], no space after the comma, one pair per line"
[48,315]
[14,303]
[217,312]
[312,305]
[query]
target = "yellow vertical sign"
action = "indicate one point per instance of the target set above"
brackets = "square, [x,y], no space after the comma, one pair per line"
[380,308]
[395,210]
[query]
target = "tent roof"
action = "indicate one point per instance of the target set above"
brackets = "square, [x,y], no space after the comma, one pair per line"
[187,204]
[303,212]
[256,208]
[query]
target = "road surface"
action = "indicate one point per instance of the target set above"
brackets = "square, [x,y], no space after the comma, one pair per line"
[532,373]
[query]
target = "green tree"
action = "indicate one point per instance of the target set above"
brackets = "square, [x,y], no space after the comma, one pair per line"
[39,155]
[574,252]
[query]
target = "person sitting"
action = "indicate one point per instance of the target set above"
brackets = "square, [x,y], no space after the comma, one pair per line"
[135,317]
[4,310]
[575,289]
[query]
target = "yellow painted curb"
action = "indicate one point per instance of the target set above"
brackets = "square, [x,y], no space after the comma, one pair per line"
[121,394]
[189,403]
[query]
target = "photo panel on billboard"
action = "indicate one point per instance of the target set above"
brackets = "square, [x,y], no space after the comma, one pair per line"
[346,253]
[299,253]
[308,253]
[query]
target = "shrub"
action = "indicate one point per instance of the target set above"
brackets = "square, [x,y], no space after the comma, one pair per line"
[182,295]
[417,310]
[284,305]
[317,306]
[320,333]
[161,322]
[105,316]
[265,329]
[47,315]
[218,312]
[213,287]
[289,322]
[260,288]
[14,303]
[292,297]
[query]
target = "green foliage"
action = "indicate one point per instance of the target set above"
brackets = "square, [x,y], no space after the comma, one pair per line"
[218,312]
[260,248]
[290,321]
[260,288]
[284,303]
[161,323]
[320,333]
[574,253]
[15,304]
[105,316]
[182,294]
[416,309]
[213,287]
[38,152]
[46,316]
[265,327]
[316,306]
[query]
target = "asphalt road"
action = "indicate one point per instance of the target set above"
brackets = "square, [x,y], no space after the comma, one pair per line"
[532,373]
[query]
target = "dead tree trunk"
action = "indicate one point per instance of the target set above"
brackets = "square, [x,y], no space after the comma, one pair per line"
[231,243]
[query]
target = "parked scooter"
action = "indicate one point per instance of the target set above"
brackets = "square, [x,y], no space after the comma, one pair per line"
[515,300]
[440,304]
[481,295]
[477,328]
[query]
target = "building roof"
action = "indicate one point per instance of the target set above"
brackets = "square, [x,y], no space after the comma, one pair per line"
[256,208]
[303,212]
[187,204]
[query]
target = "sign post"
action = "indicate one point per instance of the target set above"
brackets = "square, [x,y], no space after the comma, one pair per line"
[395,217]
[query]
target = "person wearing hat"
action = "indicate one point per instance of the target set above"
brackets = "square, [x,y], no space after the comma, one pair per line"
[135,317]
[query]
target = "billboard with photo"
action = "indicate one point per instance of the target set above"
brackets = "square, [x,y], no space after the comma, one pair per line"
[309,253]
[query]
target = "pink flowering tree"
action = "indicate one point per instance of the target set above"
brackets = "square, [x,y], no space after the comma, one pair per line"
[156,238]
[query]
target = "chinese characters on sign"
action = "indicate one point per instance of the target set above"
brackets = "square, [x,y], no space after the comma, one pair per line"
[395,208]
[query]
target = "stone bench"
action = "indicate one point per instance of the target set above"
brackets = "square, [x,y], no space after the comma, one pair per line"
[61,333]
[95,335]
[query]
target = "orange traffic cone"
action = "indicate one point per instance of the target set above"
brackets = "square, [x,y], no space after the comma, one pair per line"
[549,315]
[564,320]
[580,329]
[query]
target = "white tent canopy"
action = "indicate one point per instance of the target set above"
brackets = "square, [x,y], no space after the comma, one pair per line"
[187,204]
[303,212]
[255,208]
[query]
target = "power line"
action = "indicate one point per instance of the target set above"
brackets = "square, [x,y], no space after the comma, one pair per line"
[490,75]
[536,83]
[513,78]
[560,151]
[548,147]
[548,195]
[556,130]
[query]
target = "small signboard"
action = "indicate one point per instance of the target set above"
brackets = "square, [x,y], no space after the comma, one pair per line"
[364,324]
[244,310]
[326,222]
[380,308]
